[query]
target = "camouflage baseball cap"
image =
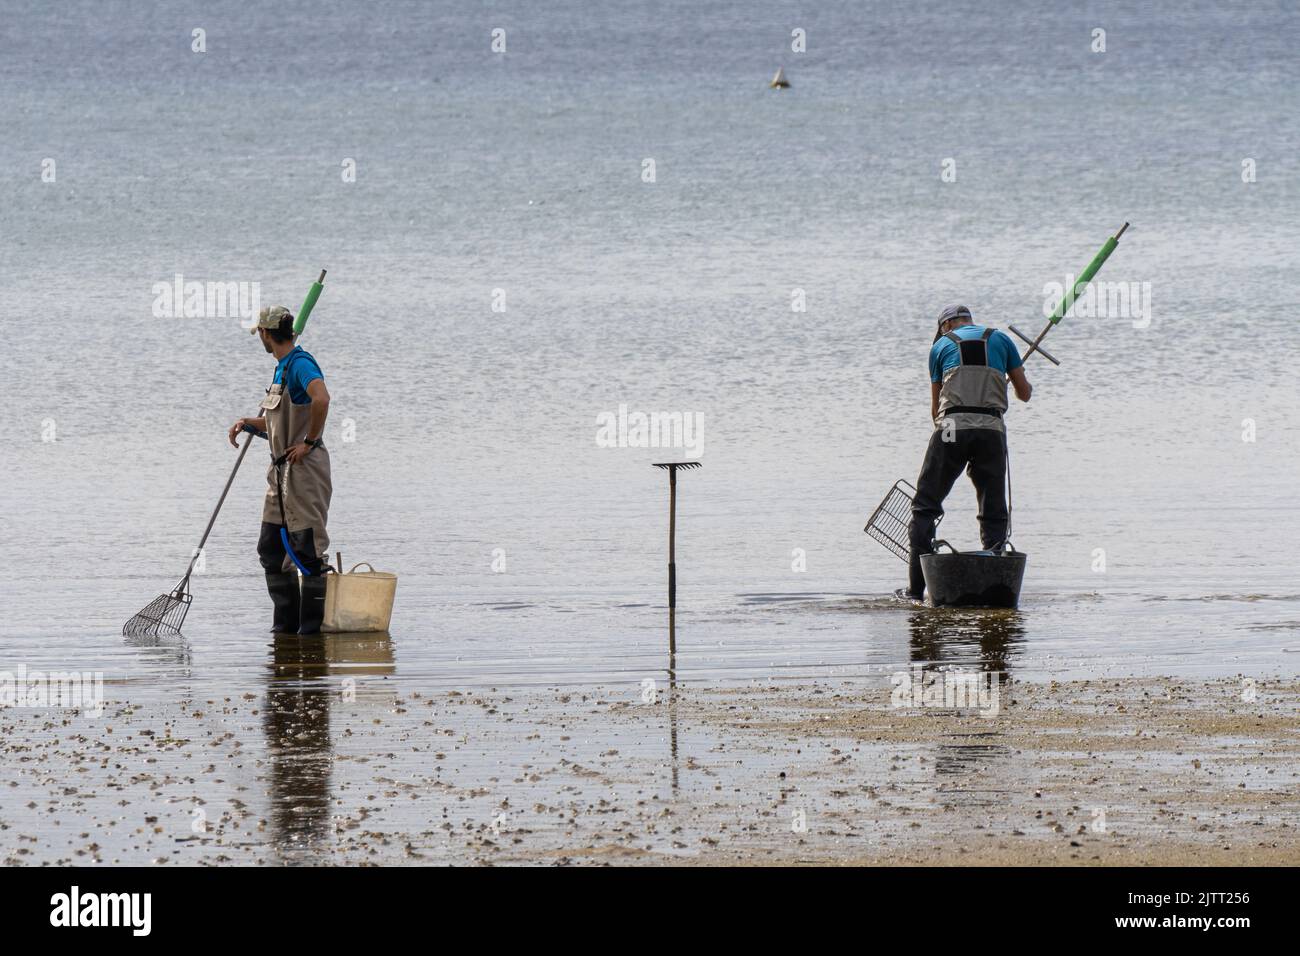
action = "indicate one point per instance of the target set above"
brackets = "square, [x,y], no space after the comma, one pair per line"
[270,318]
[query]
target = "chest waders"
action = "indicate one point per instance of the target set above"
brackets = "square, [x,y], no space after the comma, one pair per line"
[293,538]
[974,393]
[969,434]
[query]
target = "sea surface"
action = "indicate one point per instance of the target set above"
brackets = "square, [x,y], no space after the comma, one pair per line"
[502,274]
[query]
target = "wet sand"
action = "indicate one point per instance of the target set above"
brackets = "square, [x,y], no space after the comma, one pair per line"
[329,769]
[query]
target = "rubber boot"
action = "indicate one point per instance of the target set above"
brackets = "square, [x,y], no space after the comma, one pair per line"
[313,604]
[283,588]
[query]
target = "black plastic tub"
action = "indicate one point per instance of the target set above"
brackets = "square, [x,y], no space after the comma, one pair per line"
[974,578]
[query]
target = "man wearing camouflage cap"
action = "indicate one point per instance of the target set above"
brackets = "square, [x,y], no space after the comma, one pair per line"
[298,494]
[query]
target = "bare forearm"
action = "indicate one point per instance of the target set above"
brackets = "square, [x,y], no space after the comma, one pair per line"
[316,424]
[1020,382]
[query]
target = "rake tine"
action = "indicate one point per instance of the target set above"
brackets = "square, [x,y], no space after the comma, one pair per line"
[164,614]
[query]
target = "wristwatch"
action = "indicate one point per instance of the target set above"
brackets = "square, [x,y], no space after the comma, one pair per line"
[314,442]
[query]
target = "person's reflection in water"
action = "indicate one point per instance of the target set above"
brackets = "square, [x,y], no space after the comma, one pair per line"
[965,638]
[977,637]
[297,723]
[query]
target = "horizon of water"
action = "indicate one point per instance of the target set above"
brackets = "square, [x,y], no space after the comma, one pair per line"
[475,430]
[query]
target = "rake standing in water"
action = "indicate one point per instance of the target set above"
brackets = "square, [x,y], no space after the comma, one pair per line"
[671,467]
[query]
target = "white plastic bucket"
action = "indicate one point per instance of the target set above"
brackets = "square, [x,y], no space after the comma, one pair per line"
[359,600]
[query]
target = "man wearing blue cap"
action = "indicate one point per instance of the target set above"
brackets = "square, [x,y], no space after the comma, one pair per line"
[969,369]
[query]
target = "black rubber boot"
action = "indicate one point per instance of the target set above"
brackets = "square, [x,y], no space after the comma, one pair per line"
[283,588]
[313,604]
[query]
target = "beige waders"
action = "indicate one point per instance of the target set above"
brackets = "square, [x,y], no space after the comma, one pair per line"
[298,500]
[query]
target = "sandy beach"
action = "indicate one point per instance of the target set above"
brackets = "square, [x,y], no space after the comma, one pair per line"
[1096,772]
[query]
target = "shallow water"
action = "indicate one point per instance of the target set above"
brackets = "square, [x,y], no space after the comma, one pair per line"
[475,430]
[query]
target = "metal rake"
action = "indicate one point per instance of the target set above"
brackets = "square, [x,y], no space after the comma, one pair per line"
[166,613]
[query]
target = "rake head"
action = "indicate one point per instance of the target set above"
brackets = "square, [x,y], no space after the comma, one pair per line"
[672,465]
[163,615]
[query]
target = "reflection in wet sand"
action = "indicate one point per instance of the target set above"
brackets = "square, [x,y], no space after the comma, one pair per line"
[966,762]
[672,693]
[296,721]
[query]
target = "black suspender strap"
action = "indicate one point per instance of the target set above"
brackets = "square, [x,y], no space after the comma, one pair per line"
[972,351]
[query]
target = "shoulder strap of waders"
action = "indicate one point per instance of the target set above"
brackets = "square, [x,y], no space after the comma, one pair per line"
[971,351]
[282,368]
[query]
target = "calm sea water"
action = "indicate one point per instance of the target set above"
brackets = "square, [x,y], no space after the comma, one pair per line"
[474,429]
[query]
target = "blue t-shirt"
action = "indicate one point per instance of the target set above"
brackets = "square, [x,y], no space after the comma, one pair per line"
[945,355]
[303,370]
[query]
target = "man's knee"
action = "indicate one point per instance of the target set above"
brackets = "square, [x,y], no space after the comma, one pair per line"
[920,531]
[304,546]
[270,549]
[989,470]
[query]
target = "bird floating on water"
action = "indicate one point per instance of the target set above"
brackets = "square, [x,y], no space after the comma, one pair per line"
[779,82]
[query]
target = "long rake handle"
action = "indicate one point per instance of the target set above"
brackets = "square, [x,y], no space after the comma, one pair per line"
[1067,300]
[220,501]
[672,538]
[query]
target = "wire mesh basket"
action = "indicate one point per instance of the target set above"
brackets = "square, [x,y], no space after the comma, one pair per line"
[888,523]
